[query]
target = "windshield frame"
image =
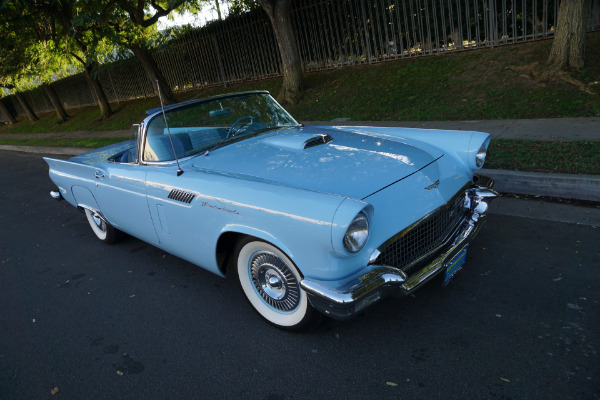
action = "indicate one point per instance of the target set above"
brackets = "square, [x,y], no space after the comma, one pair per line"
[158,113]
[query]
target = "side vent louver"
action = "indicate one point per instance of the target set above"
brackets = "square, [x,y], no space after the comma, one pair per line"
[181,196]
[317,141]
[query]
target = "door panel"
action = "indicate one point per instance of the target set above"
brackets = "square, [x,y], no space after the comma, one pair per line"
[121,194]
[185,228]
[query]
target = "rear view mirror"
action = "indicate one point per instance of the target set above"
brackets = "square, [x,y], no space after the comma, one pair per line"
[221,112]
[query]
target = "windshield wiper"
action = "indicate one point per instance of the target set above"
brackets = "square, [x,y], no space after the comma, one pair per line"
[219,144]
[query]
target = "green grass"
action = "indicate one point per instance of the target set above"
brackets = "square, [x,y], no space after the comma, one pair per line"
[85,119]
[578,157]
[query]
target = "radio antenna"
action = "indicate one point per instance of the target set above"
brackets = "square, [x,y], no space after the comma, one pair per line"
[179,170]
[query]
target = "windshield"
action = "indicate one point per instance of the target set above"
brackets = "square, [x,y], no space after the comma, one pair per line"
[205,125]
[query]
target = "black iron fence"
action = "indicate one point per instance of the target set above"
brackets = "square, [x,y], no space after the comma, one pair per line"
[330,34]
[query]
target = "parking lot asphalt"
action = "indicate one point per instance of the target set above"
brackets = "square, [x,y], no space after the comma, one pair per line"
[569,186]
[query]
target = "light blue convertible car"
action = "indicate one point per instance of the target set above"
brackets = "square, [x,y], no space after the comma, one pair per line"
[329,219]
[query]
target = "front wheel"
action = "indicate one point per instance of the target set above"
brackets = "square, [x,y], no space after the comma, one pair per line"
[271,284]
[102,229]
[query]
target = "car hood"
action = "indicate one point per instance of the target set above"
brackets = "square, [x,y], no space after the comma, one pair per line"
[346,162]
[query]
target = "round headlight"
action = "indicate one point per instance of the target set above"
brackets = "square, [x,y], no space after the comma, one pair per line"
[357,234]
[480,157]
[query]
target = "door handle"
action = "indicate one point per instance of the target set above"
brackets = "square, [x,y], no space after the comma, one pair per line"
[98,175]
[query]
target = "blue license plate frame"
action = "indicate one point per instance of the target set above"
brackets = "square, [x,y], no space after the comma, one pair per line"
[455,265]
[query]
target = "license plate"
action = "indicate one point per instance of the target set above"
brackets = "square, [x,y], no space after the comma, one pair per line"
[455,265]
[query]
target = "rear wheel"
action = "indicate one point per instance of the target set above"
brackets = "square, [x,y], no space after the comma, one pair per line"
[271,283]
[102,229]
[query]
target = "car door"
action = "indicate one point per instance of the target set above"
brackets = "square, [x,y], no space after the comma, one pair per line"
[121,196]
[185,226]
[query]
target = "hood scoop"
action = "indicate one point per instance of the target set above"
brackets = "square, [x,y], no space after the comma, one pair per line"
[298,141]
[318,140]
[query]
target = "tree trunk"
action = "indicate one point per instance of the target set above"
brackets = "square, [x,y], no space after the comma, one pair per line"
[9,117]
[218,7]
[569,39]
[58,107]
[30,114]
[279,12]
[153,73]
[105,110]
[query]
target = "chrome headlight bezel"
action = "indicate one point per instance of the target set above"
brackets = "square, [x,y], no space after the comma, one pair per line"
[481,154]
[478,150]
[357,234]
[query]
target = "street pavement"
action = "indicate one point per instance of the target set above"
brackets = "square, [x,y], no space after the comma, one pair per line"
[570,186]
[84,320]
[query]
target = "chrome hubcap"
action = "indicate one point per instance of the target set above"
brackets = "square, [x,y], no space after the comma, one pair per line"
[274,281]
[99,222]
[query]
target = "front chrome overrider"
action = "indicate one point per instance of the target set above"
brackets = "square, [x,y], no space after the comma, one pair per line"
[344,300]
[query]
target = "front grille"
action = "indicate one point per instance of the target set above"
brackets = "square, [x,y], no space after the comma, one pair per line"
[418,240]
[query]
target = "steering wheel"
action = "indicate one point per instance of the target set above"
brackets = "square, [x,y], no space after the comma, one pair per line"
[231,131]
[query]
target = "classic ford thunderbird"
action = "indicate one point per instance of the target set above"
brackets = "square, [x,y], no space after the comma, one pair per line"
[310,220]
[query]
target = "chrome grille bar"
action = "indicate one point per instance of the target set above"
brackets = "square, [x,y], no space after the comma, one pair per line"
[418,240]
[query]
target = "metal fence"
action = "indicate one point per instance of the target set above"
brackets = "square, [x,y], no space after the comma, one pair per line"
[330,34]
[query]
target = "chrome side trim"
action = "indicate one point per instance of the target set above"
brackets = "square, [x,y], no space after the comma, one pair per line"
[343,300]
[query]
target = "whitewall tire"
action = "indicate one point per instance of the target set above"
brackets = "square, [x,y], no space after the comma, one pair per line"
[102,229]
[271,283]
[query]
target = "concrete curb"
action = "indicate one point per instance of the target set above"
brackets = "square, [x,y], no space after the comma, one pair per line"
[64,151]
[567,186]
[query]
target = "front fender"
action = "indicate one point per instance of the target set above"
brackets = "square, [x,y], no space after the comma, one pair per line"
[460,145]
[257,233]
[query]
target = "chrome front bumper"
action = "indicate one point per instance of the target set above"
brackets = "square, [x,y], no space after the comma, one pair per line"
[343,300]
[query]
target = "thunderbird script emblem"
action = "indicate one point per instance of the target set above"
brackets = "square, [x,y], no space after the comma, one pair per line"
[434,185]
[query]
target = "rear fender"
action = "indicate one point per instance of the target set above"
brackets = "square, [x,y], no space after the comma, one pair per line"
[84,198]
[75,181]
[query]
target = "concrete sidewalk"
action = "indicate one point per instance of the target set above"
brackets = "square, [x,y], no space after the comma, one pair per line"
[580,187]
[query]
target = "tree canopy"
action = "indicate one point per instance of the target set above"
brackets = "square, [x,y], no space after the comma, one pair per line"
[45,40]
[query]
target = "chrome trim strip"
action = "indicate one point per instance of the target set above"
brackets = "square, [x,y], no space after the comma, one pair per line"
[344,300]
